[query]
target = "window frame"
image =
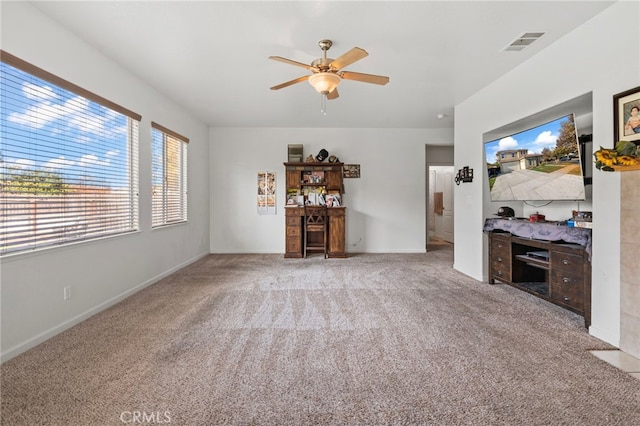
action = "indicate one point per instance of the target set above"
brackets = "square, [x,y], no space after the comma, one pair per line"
[55,233]
[172,211]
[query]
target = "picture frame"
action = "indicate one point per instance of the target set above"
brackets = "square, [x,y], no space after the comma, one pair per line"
[266,192]
[626,116]
[351,170]
[295,153]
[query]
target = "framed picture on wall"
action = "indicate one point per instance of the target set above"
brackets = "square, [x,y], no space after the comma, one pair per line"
[351,170]
[266,186]
[626,116]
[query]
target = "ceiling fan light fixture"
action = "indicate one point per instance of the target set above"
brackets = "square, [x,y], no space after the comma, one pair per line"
[324,82]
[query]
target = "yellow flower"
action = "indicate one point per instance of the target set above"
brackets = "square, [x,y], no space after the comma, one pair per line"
[606,156]
[626,160]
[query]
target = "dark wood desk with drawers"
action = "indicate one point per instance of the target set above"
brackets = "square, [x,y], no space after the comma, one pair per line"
[559,272]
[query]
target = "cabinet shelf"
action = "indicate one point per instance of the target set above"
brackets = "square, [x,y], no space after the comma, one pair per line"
[537,288]
[532,261]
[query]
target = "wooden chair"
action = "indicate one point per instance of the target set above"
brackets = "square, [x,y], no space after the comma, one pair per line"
[315,229]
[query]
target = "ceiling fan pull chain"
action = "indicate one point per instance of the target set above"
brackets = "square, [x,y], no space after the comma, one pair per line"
[323,104]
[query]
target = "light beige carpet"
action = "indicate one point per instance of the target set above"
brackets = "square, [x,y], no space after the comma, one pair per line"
[396,339]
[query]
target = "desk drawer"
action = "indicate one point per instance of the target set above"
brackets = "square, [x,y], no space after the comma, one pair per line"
[501,248]
[566,288]
[294,245]
[293,221]
[336,211]
[293,231]
[566,261]
[501,270]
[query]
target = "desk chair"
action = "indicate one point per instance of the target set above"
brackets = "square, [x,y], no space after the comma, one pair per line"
[315,229]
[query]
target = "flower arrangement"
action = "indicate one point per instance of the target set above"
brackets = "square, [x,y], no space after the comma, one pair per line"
[625,156]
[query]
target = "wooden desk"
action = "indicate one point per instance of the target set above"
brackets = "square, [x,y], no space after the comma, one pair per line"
[294,231]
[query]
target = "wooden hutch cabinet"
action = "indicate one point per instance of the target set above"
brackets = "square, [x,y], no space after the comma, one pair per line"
[304,183]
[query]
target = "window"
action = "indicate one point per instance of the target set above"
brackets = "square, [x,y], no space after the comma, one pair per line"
[169,176]
[68,161]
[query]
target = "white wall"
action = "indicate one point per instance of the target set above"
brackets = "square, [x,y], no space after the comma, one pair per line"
[385,207]
[594,58]
[103,271]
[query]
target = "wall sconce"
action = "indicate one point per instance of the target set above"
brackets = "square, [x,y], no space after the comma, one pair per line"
[465,174]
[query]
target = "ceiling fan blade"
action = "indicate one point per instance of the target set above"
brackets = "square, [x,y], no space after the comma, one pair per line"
[291,62]
[290,83]
[348,58]
[333,95]
[366,78]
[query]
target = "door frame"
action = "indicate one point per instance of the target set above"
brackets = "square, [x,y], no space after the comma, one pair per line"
[435,155]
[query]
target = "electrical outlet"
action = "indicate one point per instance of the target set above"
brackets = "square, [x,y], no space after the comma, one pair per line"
[67,293]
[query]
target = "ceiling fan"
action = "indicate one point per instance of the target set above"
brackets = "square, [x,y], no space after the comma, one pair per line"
[327,72]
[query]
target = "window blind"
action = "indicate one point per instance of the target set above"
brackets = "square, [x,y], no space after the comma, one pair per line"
[68,161]
[169,176]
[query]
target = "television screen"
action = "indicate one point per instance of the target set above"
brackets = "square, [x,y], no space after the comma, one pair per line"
[539,164]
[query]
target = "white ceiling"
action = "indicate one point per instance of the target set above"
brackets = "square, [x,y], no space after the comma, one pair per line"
[212,57]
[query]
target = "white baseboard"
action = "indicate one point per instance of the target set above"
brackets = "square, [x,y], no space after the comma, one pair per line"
[35,341]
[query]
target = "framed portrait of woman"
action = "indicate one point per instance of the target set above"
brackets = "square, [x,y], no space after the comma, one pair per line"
[626,116]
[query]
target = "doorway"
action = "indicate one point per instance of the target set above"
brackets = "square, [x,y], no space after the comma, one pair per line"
[439,198]
[440,213]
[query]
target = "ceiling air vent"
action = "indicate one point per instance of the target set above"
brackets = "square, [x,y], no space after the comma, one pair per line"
[523,41]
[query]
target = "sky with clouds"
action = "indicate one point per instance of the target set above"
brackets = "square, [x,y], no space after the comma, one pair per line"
[533,140]
[34,115]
